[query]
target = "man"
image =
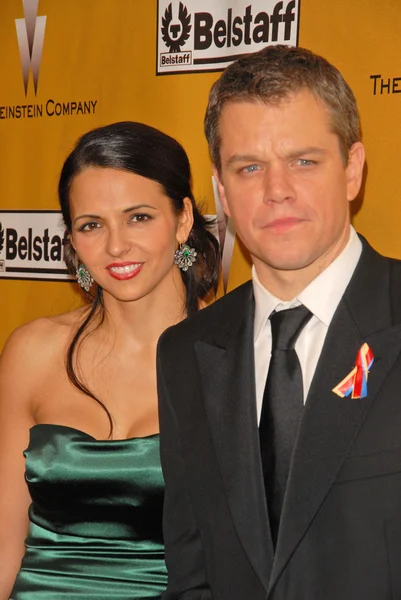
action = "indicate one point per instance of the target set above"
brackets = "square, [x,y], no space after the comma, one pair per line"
[280,438]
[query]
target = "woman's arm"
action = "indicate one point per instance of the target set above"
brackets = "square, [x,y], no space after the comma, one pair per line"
[17,379]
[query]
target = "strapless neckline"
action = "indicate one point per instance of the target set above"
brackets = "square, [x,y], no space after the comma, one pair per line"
[95,518]
[67,429]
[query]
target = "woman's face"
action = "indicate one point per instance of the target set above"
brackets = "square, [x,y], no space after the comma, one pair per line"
[125,231]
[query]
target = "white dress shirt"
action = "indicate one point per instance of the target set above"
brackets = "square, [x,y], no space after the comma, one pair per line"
[321,297]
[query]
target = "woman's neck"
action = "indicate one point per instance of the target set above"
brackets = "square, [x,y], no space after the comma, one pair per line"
[142,321]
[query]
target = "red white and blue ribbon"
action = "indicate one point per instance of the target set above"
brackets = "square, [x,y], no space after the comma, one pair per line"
[356,383]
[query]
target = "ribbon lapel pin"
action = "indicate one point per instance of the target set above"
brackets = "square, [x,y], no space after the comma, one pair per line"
[356,382]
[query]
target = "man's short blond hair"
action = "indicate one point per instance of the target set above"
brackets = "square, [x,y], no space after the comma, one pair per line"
[274,74]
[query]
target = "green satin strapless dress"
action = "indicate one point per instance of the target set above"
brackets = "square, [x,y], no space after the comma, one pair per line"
[96,518]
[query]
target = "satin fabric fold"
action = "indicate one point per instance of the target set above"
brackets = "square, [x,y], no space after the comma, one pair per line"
[95,518]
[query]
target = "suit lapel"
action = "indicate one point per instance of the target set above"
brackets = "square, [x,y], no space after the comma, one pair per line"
[330,423]
[226,368]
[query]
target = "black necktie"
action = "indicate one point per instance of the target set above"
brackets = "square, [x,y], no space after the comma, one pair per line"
[282,408]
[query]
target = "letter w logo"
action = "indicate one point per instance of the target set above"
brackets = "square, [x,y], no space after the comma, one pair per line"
[30,34]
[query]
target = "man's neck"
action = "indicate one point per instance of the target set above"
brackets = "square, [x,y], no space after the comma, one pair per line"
[286,284]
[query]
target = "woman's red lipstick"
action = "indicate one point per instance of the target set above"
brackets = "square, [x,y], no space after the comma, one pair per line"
[124,270]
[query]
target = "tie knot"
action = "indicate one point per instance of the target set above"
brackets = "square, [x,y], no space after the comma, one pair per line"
[287,325]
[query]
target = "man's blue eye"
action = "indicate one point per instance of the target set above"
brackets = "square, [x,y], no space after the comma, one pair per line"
[251,168]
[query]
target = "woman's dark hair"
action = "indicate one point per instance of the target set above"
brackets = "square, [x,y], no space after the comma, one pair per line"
[145,151]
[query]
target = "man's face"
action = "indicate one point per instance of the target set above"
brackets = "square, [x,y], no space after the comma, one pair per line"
[284,183]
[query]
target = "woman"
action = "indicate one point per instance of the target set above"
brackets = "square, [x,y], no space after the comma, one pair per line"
[78,391]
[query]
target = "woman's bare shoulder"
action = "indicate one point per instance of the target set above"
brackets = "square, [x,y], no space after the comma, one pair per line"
[34,354]
[42,336]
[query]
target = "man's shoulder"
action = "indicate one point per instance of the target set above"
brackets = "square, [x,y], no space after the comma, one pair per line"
[371,256]
[221,313]
[395,264]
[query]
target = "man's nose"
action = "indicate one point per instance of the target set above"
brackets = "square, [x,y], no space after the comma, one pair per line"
[278,186]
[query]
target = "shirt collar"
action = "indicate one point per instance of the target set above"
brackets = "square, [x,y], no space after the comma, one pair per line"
[321,296]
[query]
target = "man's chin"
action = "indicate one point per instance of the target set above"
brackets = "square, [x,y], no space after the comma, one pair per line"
[283,264]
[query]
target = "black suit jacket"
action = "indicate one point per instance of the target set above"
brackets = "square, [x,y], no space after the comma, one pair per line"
[340,534]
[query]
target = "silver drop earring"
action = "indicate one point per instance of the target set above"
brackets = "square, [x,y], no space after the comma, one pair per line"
[184,257]
[84,278]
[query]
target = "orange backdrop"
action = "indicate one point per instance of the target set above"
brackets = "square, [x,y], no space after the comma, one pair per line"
[104,51]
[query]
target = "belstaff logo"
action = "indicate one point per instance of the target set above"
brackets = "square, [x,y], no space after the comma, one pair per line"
[175,34]
[205,35]
[32,245]
[30,35]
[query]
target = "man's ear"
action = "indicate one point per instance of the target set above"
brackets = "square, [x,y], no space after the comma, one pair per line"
[222,192]
[354,170]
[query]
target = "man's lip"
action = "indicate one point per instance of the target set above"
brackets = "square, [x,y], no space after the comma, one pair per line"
[283,223]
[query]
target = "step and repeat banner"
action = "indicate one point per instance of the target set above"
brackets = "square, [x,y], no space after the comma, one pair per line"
[67,67]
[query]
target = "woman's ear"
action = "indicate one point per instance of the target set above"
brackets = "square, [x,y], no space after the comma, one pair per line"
[185,221]
[71,240]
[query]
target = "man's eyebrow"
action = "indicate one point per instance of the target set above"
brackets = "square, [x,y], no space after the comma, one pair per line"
[242,158]
[315,150]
